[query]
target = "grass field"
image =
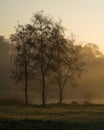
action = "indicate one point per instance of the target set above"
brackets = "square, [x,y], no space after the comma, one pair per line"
[52,117]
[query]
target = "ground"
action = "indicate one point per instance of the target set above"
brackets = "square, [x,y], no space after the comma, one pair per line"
[52,117]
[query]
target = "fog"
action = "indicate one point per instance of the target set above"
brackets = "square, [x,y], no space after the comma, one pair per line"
[91,81]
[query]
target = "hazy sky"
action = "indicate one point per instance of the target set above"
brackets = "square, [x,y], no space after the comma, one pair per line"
[85,18]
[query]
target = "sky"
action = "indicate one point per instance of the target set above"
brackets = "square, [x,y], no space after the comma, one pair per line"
[84,18]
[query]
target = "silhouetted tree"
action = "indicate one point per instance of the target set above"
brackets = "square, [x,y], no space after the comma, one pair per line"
[41,48]
[59,55]
[22,71]
[42,36]
[68,61]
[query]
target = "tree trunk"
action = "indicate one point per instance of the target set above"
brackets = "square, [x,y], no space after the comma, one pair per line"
[26,91]
[60,95]
[60,80]
[43,91]
[26,81]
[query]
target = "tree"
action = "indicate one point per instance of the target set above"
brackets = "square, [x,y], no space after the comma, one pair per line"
[41,47]
[4,46]
[5,65]
[59,55]
[68,62]
[42,37]
[22,71]
[88,98]
[91,51]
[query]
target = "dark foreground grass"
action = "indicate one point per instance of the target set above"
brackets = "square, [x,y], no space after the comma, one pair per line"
[52,117]
[48,125]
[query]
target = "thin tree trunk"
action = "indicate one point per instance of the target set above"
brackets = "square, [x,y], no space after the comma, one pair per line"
[26,79]
[43,74]
[26,91]
[60,90]
[26,85]
[43,91]
[60,79]
[60,96]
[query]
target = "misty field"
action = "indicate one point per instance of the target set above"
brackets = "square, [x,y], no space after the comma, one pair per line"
[52,117]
